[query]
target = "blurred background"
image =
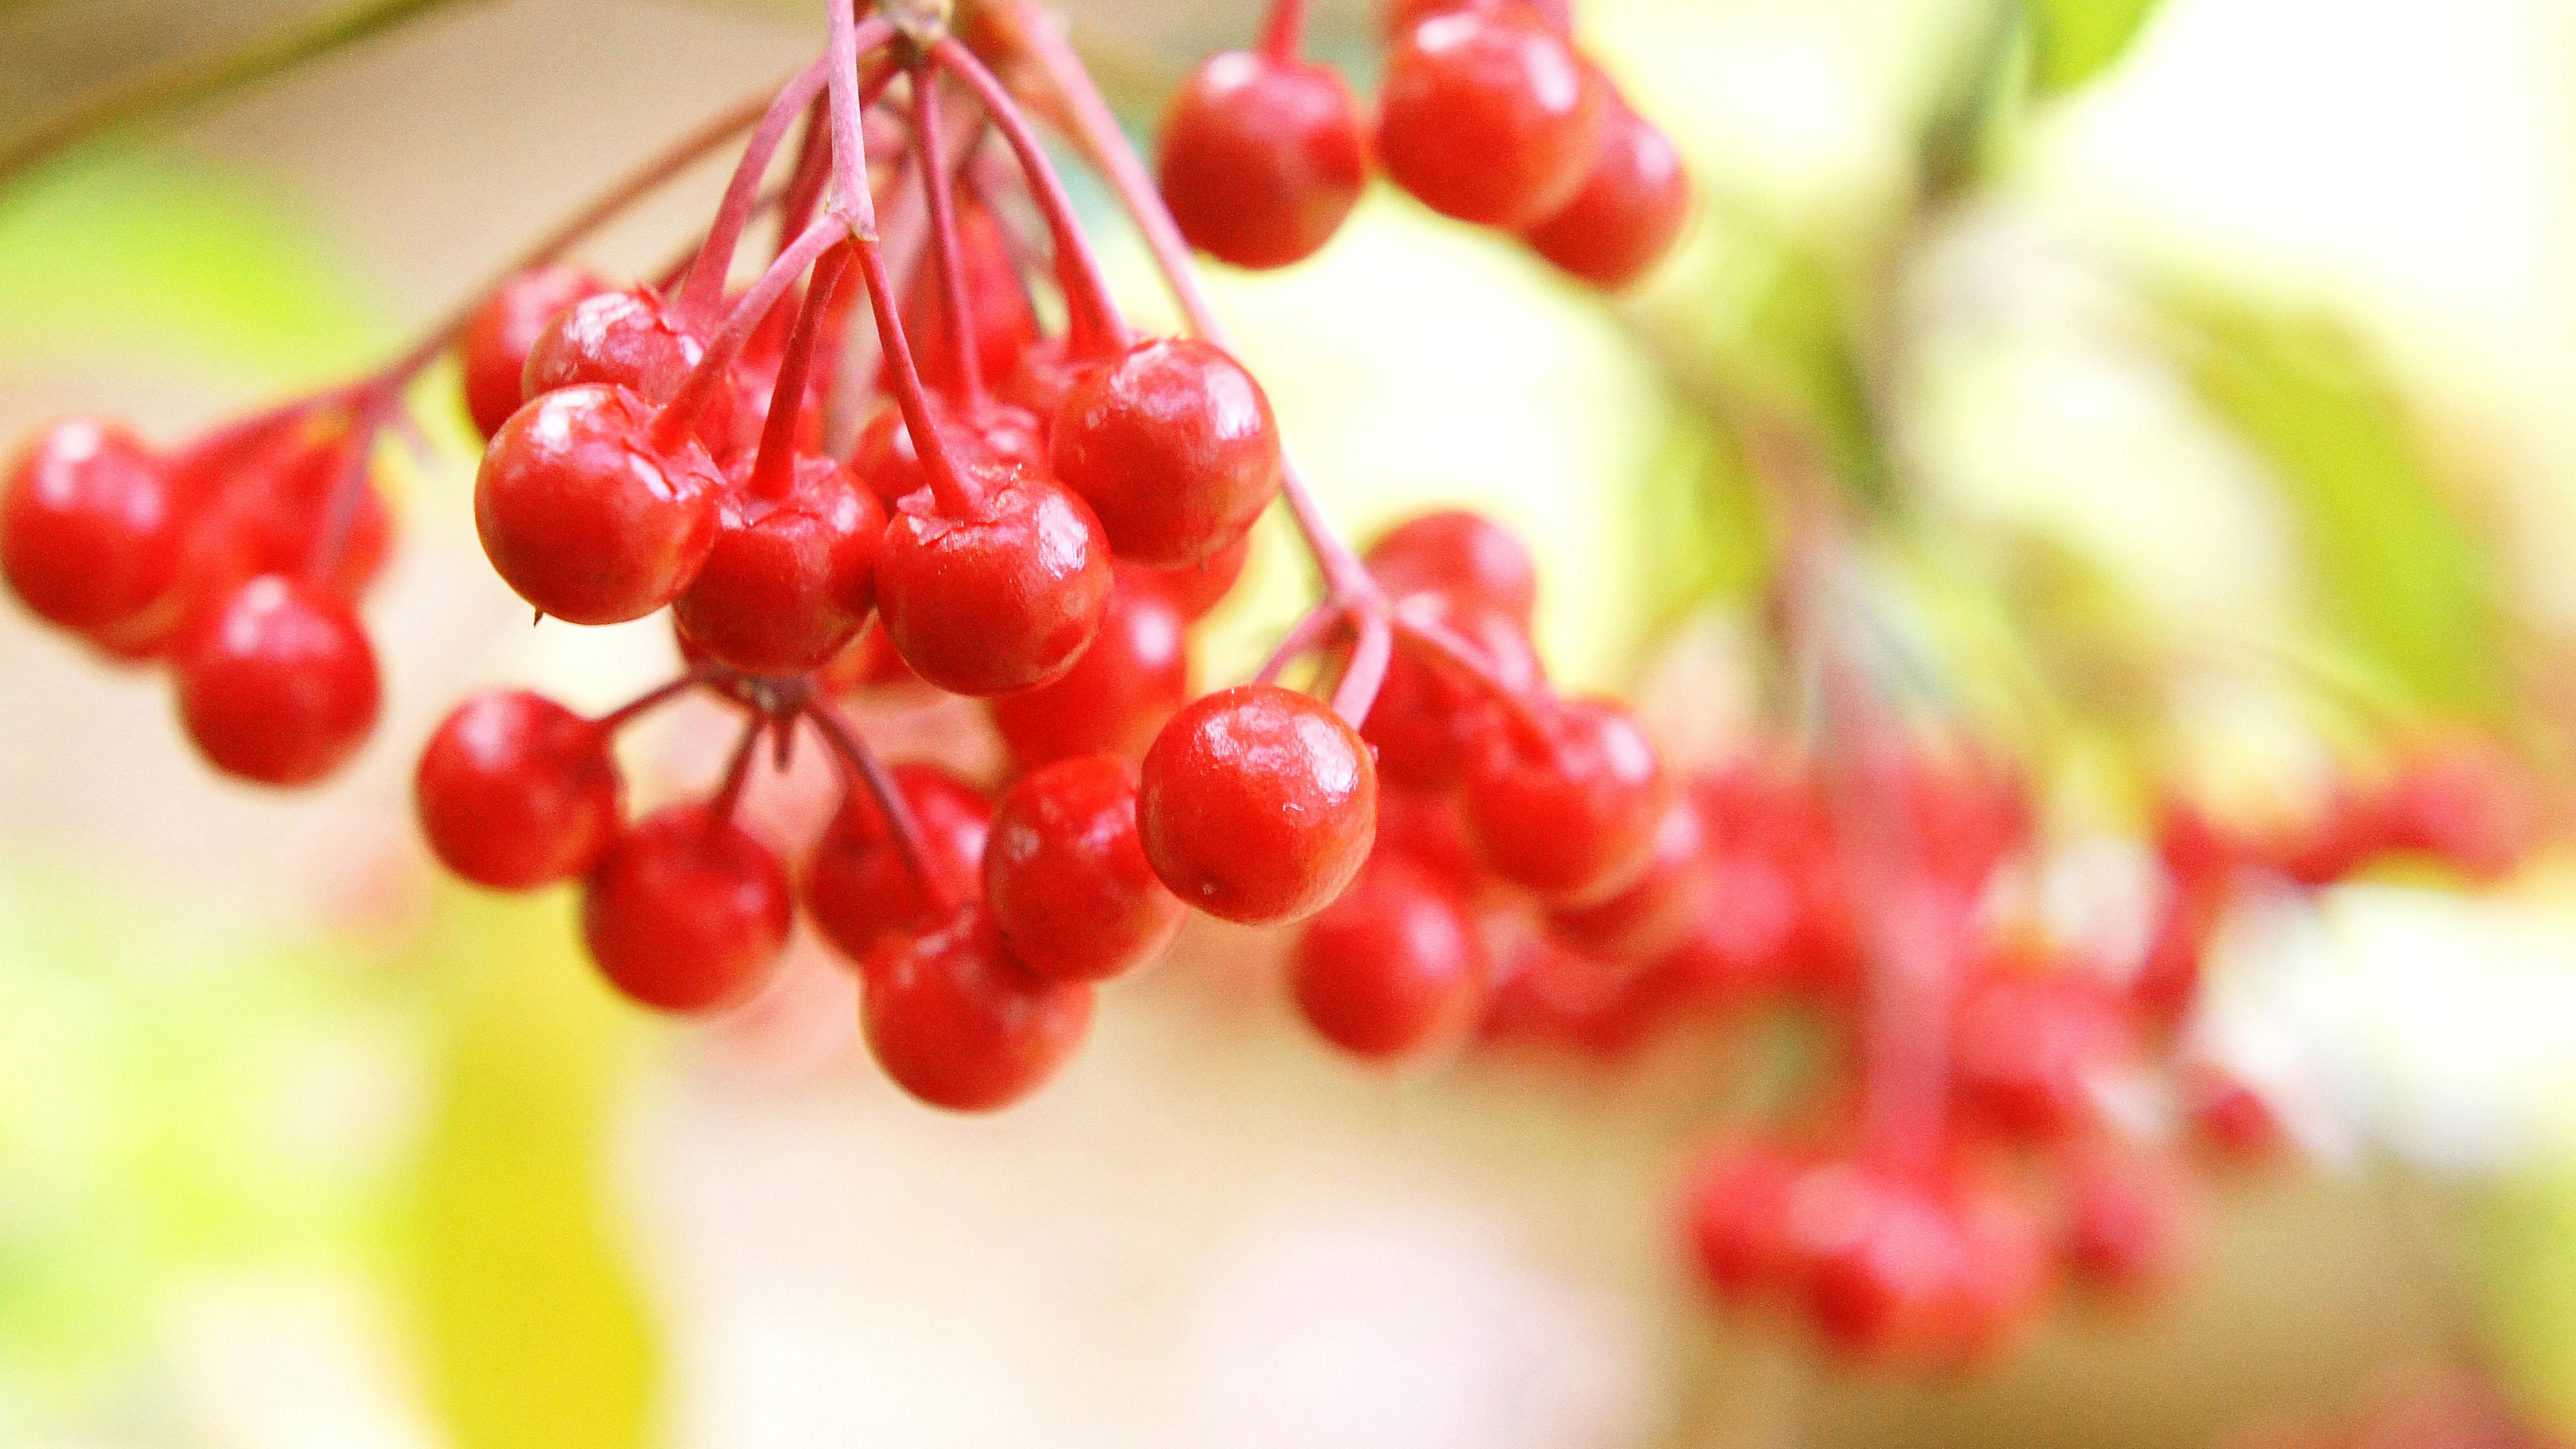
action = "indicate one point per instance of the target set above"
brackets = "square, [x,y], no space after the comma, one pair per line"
[2247,344]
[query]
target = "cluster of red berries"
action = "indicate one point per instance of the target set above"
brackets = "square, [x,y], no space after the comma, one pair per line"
[1488,113]
[237,560]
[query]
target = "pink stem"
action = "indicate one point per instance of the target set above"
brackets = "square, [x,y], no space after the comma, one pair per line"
[773,470]
[681,413]
[702,292]
[737,774]
[1097,326]
[810,174]
[901,825]
[625,714]
[1449,650]
[1357,693]
[947,254]
[1303,637]
[1280,40]
[1096,130]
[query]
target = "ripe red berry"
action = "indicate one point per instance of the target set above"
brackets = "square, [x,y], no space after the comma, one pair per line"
[1572,817]
[1258,804]
[1880,1262]
[1197,588]
[268,494]
[2127,1220]
[1735,1215]
[1005,599]
[788,582]
[1117,695]
[956,1023]
[995,431]
[1659,911]
[1394,968]
[515,791]
[93,531]
[1462,555]
[1429,721]
[686,912]
[1629,211]
[1396,18]
[493,349]
[585,515]
[1488,115]
[1262,157]
[277,684]
[1046,373]
[2034,1048]
[1066,878]
[857,884]
[1173,445]
[631,339]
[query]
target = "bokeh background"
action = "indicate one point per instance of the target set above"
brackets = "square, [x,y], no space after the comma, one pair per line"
[2253,349]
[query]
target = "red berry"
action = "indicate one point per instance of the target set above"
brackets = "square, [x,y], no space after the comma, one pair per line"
[956,1023]
[1258,804]
[1572,817]
[1630,211]
[1881,1263]
[858,886]
[1656,914]
[1173,445]
[1117,695]
[1396,18]
[2033,1048]
[1066,877]
[1735,1214]
[2231,1118]
[686,912]
[585,516]
[277,683]
[1429,721]
[515,791]
[629,339]
[1046,373]
[1489,116]
[1426,827]
[268,492]
[2466,802]
[493,349]
[1464,556]
[1003,600]
[1197,588]
[788,582]
[1262,158]
[995,431]
[93,531]
[2127,1222]
[1392,969]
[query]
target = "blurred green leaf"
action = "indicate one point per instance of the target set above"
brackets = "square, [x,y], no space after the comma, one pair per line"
[2079,39]
[537,1332]
[2401,583]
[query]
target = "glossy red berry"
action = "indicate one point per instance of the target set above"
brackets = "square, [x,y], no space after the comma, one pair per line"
[515,791]
[277,684]
[1880,1262]
[267,496]
[1258,804]
[686,912]
[1002,600]
[1394,968]
[1173,445]
[994,431]
[1573,816]
[958,1024]
[93,530]
[1430,720]
[1262,158]
[788,582]
[586,515]
[857,884]
[1117,695]
[1658,912]
[1462,555]
[1629,212]
[1195,589]
[1066,878]
[1489,116]
[631,339]
[1735,1216]
[493,350]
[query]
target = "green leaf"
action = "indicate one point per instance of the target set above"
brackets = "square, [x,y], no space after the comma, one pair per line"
[2079,39]
[2400,582]
[537,1334]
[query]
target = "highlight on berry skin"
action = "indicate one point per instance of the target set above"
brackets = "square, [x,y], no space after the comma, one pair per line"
[1541,722]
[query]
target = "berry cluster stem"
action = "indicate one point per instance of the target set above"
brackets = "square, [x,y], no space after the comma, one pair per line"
[947,252]
[851,748]
[702,290]
[1283,37]
[712,369]
[773,470]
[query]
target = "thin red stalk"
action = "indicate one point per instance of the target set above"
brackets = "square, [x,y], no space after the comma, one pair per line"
[901,826]
[1357,693]
[1446,649]
[1095,129]
[947,254]
[626,714]
[737,774]
[811,172]
[1281,39]
[1303,637]
[702,291]
[773,469]
[956,496]
[681,413]
[1092,313]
